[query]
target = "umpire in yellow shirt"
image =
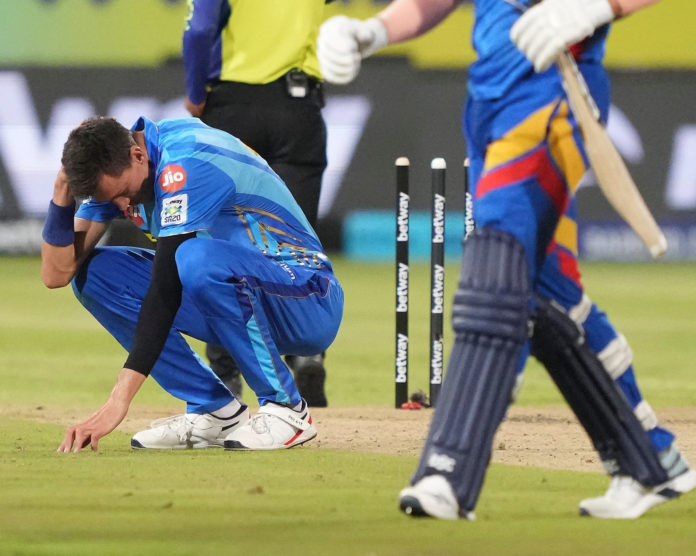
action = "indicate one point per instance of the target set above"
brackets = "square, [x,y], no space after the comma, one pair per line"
[252,70]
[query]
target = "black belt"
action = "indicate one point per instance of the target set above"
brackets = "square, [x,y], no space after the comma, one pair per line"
[294,85]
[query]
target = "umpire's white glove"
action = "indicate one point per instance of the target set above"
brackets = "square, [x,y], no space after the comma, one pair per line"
[342,44]
[546,29]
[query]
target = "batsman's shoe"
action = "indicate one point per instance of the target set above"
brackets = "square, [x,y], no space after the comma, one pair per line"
[432,496]
[628,499]
[274,427]
[191,430]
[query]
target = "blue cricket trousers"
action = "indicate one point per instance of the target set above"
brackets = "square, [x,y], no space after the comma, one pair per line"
[255,306]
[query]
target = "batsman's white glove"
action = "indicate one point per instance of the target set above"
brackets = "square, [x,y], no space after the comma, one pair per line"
[546,29]
[342,44]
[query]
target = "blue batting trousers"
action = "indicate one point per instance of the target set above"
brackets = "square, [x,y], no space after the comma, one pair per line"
[233,295]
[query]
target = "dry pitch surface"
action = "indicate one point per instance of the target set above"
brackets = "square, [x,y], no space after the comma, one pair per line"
[540,437]
[545,437]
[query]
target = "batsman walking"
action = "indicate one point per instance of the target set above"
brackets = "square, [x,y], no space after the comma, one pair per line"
[520,290]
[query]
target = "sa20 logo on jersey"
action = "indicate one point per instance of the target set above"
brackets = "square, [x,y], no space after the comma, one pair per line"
[174,210]
[172,178]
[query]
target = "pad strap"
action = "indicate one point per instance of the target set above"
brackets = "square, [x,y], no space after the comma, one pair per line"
[298,419]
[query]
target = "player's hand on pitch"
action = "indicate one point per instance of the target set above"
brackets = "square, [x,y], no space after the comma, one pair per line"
[93,429]
[545,30]
[342,44]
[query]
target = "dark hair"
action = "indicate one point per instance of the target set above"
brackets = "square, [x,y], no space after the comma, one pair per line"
[96,147]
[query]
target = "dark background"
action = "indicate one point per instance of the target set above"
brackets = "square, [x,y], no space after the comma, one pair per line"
[415,113]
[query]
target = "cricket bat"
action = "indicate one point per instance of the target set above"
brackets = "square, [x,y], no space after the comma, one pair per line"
[613,177]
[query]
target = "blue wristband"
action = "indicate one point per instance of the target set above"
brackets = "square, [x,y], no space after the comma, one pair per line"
[59,228]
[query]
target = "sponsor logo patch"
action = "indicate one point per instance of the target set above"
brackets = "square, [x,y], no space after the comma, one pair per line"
[174,210]
[436,362]
[402,359]
[402,289]
[402,219]
[438,292]
[438,219]
[172,178]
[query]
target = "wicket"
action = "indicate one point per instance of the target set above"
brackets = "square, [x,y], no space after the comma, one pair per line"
[402,275]
[437,274]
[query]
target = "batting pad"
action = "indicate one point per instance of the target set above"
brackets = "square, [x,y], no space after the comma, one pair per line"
[600,406]
[490,313]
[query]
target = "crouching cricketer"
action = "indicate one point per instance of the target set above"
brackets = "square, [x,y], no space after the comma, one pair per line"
[236,265]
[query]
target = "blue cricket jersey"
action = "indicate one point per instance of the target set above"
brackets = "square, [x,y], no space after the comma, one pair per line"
[209,182]
[500,66]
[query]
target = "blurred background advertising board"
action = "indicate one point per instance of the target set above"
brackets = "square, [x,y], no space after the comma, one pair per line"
[62,61]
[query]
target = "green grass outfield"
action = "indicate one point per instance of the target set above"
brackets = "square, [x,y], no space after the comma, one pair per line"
[55,357]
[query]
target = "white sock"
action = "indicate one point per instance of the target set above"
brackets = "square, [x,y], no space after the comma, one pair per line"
[228,410]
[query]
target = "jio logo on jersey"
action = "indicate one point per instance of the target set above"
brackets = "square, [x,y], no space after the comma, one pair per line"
[172,178]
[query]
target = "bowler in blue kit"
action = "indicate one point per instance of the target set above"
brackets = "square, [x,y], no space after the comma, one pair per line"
[236,264]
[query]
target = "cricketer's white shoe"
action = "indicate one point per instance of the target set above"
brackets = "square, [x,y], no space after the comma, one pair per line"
[432,496]
[628,499]
[274,427]
[191,430]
